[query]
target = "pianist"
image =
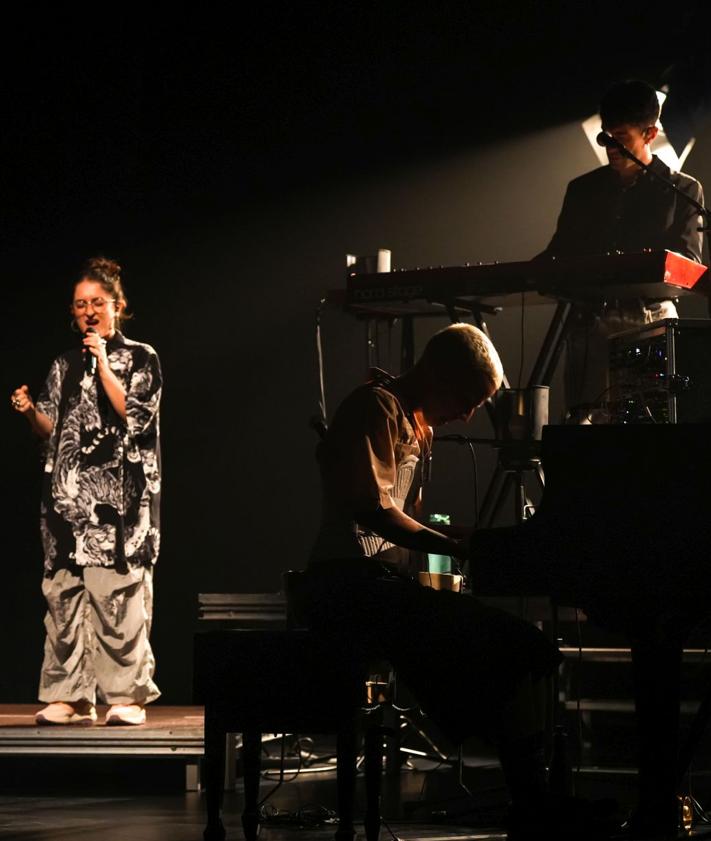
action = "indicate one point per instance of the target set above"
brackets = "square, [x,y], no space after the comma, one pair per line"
[619,207]
[472,669]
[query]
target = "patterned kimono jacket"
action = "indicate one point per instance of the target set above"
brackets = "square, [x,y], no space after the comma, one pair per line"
[101,489]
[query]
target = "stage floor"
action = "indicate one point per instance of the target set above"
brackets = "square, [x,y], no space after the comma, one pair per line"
[117,783]
[174,819]
[182,818]
[82,783]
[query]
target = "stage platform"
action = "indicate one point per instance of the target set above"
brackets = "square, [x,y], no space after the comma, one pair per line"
[175,732]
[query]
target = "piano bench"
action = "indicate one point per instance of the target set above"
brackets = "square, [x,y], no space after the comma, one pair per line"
[280,681]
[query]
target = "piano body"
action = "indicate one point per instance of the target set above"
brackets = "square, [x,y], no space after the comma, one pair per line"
[622,531]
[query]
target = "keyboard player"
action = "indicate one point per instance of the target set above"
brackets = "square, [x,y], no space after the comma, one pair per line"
[472,668]
[620,207]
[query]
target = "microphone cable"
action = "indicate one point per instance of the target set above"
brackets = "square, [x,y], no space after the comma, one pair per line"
[319,422]
[523,345]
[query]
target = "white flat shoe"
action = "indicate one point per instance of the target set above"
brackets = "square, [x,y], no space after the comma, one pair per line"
[126,714]
[59,712]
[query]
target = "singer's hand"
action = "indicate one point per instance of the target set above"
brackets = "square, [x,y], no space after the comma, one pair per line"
[114,388]
[97,346]
[21,401]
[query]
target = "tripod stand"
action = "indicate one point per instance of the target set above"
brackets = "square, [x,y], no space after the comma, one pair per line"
[519,415]
[514,463]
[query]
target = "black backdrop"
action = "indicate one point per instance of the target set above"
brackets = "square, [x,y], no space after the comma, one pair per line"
[229,166]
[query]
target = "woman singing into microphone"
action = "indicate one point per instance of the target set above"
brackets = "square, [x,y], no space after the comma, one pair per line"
[98,417]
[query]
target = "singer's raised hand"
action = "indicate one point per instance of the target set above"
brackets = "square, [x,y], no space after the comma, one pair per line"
[21,400]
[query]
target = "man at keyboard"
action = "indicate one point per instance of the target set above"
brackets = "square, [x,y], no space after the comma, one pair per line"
[621,207]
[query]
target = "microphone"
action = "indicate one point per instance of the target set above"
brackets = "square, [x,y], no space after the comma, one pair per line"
[89,358]
[607,140]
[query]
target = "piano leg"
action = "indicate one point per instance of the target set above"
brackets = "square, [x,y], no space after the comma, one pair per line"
[656,672]
[347,750]
[373,745]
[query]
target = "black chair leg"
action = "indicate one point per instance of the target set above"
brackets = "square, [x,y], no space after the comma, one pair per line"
[373,778]
[347,754]
[214,775]
[252,762]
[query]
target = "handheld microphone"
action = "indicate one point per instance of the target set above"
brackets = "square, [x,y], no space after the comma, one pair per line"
[89,358]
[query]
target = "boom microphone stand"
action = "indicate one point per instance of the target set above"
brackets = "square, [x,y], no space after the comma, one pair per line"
[609,142]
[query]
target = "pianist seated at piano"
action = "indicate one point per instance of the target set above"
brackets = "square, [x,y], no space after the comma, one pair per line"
[620,207]
[473,669]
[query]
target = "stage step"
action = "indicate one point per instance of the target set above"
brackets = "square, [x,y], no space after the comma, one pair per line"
[618,706]
[698,656]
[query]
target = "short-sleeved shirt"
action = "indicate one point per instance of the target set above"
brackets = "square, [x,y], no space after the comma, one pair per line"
[369,459]
[102,480]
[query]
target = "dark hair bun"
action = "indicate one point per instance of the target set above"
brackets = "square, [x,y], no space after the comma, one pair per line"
[102,270]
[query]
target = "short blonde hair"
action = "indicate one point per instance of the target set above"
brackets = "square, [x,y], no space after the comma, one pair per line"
[465,358]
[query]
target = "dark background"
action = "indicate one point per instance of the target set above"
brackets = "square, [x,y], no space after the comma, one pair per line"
[229,163]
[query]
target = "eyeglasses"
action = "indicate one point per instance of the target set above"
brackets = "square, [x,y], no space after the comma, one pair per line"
[97,304]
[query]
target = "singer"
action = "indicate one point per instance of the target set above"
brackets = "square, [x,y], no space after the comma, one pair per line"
[98,418]
[620,207]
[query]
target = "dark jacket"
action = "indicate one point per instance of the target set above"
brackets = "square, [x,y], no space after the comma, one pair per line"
[599,215]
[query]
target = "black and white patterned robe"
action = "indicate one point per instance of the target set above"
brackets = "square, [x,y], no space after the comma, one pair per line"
[101,489]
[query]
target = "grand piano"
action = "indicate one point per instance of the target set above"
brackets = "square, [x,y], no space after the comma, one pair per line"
[622,531]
